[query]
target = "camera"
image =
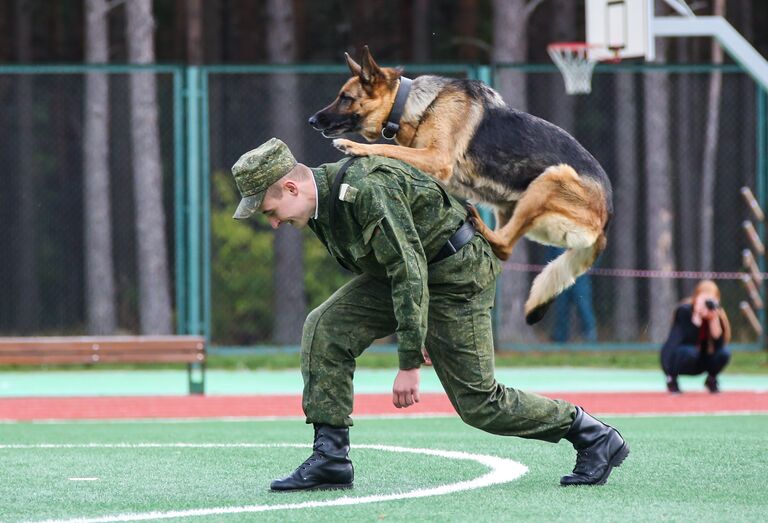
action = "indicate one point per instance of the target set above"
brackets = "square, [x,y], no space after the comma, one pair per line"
[710,304]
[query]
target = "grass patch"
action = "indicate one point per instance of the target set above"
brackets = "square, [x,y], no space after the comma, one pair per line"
[703,468]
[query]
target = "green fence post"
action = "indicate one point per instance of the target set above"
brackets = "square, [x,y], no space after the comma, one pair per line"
[761,175]
[484,73]
[193,199]
[206,206]
[180,204]
[196,202]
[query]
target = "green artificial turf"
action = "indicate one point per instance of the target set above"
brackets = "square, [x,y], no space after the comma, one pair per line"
[702,468]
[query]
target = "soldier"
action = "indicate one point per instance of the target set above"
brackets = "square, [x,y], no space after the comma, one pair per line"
[424,274]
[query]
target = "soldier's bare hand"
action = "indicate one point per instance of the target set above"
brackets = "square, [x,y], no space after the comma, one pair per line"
[405,391]
[425,355]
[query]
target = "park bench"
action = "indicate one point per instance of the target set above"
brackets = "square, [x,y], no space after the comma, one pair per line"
[94,350]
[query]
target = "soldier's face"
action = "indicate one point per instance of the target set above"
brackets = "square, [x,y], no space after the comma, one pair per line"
[295,205]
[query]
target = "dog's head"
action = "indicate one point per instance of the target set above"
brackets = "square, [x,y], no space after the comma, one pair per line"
[363,103]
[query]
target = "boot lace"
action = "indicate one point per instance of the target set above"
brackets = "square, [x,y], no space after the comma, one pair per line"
[313,458]
[582,467]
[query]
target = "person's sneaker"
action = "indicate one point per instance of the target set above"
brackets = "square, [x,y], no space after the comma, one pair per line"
[711,384]
[672,385]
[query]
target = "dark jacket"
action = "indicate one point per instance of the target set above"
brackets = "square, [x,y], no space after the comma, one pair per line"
[684,332]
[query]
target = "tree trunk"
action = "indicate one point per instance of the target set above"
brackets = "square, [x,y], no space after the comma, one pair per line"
[194,31]
[289,298]
[420,31]
[99,269]
[747,99]
[28,308]
[688,173]
[510,45]
[466,30]
[154,288]
[658,208]
[563,105]
[6,22]
[625,229]
[709,163]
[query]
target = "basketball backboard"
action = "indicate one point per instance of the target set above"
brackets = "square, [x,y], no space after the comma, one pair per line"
[618,29]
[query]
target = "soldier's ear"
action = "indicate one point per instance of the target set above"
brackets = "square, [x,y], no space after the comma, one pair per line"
[291,187]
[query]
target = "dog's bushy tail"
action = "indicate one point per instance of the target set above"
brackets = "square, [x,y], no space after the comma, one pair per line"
[558,275]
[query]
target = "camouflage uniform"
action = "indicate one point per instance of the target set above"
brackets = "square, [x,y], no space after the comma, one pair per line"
[391,220]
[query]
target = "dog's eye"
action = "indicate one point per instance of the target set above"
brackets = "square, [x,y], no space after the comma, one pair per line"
[344,97]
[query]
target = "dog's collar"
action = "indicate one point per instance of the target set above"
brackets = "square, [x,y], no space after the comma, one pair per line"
[393,120]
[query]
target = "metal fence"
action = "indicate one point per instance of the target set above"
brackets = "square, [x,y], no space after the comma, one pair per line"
[42,207]
[231,281]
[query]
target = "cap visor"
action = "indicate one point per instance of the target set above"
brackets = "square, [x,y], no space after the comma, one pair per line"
[248,206]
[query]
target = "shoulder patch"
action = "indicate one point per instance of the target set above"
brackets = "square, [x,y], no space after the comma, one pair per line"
[347,193]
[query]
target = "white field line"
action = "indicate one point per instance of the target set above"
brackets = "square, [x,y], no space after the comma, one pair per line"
[502,471]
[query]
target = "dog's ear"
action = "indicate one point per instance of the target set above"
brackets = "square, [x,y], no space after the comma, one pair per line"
[370,69]
[353,66]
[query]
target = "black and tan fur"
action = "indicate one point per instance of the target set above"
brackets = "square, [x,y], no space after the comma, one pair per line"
[540,181]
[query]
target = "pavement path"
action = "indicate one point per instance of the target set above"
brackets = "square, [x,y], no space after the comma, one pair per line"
[367,381]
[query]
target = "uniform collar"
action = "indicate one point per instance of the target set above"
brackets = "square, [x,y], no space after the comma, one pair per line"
[323,192]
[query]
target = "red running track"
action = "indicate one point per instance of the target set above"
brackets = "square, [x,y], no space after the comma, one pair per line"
[135,407]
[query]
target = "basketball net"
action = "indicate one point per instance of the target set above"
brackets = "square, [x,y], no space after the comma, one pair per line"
[575,63]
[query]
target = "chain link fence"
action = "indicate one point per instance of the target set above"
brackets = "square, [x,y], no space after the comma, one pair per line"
[262,283]
[42,204]
[616,123]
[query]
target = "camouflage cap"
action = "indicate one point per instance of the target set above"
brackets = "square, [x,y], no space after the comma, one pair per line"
[257,170]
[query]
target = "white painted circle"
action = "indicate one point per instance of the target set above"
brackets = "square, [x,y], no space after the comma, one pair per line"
[502,470]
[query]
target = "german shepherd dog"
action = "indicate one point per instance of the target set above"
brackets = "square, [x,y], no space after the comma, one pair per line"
[539,180]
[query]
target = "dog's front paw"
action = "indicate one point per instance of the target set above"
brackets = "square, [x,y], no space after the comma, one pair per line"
[349,147]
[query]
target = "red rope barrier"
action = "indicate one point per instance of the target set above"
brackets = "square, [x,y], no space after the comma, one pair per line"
[639,273]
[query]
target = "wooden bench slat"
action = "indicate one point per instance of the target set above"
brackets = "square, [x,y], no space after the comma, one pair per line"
[88,339]
[99,350]
[104,353]
[73,359]
[101,344]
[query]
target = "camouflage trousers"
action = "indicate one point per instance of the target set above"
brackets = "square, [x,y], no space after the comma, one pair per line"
[459,341]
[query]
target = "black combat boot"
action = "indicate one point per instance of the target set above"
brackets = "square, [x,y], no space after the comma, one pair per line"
[329,466]
[600,448]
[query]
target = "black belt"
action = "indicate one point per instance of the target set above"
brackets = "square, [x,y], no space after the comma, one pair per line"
[459,239]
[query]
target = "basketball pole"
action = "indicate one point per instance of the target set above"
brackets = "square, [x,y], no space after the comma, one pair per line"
[729,38]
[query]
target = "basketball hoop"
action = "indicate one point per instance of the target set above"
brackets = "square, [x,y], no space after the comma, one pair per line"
[576,63]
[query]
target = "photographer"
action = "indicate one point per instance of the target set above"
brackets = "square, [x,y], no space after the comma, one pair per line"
[697,340]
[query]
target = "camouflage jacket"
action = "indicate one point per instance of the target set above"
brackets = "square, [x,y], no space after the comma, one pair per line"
[391,220]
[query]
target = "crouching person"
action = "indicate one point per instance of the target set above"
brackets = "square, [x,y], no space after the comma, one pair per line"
[423,273]
[697,341]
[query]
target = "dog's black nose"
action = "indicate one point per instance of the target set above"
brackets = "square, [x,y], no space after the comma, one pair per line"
[319,121]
